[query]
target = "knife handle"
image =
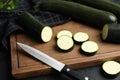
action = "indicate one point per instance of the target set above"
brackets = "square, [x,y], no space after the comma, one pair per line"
[74,74]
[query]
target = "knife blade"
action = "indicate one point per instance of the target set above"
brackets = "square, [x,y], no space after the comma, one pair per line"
[57,65]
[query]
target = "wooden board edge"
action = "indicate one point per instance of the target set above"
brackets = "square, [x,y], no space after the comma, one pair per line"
[14,60]
[13,51]
[20,73]
[25,72]
[28,71]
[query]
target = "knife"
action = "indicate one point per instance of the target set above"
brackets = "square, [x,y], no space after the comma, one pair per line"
[57,65]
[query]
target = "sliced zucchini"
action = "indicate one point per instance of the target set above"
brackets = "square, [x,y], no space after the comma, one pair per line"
[111,33]
[35,27]
[89,48]
[111,68]
[80,37]
[65,43]
[64,32]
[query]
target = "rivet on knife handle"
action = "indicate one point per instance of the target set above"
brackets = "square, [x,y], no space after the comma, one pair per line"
[74,74]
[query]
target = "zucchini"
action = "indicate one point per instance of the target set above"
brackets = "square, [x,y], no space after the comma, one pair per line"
[89,48]
[35,27]
[106,5]
[64,32]
[65,43]
[80,37]
[111,68]
[79,12]
[111,33]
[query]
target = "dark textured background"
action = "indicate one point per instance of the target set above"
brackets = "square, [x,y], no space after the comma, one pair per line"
[7,26]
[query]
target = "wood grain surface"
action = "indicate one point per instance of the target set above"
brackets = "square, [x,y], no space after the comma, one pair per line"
[24,65]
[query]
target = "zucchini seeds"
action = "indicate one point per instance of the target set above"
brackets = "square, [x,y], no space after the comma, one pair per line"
[46,34]
[89,48]
[111,68]
[64,32]
[65,43]
[80,37]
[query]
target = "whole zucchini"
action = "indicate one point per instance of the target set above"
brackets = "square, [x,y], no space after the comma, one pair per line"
[106,5]
[35,27]
[79,12]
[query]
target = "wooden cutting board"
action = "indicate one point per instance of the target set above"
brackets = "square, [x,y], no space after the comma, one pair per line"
[24,65]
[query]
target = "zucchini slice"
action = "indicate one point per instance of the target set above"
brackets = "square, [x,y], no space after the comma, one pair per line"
[35,27]
[65,43]
[111,33]
[64,32]
[89,48]
[111,68]
[80,37]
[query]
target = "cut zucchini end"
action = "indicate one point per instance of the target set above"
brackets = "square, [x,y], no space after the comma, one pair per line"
[89,48]
[80,37]
[105,32]
[111,68]
[64,32]
[46,34]
[65,43]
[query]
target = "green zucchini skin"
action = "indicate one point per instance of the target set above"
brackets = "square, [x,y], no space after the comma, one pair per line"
[86,53]
[79,12]
[103,5]
[108,75]
[31,25]
[83,49]
[113,33]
